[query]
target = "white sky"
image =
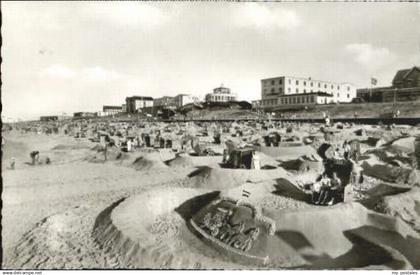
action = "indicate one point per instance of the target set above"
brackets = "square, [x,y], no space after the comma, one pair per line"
[77,56]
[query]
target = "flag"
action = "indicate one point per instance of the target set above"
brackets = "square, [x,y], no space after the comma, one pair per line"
[373,81]
[245,193]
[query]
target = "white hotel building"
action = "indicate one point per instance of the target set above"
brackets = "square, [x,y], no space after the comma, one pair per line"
[289,92]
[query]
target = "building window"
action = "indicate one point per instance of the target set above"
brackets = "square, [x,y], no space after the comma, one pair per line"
[348,88]
[338,87]
[319,85]
[290,82]
[304,83]
[280,90]
[289,90]
[348,95]
[304,91]
[325,86]
[297,90]
[272,90]
[303,99]
[312,99]
[280,82]
[312,84]
[297,82]
[298,100]
[312,91]
[272,82]
[332,86]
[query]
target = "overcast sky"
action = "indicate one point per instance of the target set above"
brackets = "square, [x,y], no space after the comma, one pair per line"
[77,56]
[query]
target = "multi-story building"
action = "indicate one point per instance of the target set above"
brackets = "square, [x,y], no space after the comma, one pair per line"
[163,101]
[184,99]
[276,92]
[221,94]
[407,78]
[305,99]
[111,110]
[405,87]
[136,103]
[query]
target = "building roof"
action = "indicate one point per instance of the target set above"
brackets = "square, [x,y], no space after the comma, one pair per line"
[221,88]
[111,107]
[307,79]
[375,89]
[403,74]
[316,93]
[140,97]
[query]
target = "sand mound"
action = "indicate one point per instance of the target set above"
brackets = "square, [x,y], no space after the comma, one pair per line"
[141,228]
[387,189]
[390,158]
[287,153]
[303,164]
[112,154]
[406,206]
[323,236]
[219,178]
[148,162]
[71,147]
[60,234]
[405,145]
[180,161]
[14,149]
[392,174]
[267,162]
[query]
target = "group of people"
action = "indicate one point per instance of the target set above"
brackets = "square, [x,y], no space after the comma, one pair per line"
[349,150]
[339,166]
[327,190]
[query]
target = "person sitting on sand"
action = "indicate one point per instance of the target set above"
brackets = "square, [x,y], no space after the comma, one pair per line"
[347,149]
[336,189]
[316,189]
[324,188]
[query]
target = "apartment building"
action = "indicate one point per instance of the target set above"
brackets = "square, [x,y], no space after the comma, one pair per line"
[273,90]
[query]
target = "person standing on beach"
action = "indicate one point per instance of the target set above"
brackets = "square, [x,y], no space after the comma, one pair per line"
[105,151]
[12,163]
[327,121]
[34,157]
